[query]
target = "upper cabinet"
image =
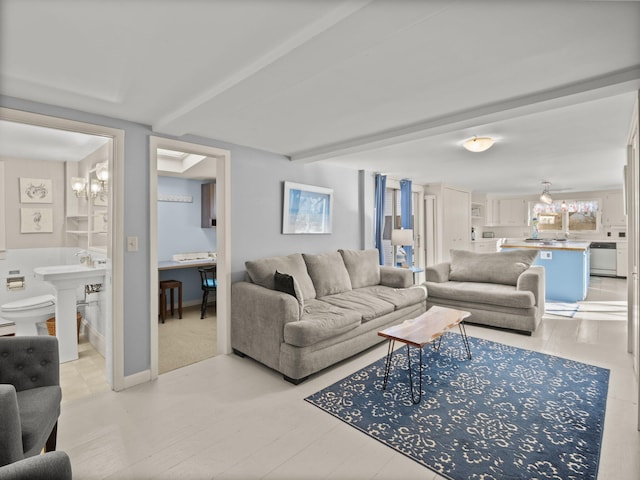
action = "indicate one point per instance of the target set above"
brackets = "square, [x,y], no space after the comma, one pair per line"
[613,209]
[208,217]
[507,212]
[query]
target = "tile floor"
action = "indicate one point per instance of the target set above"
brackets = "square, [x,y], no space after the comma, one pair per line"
[231,418]
[86,375]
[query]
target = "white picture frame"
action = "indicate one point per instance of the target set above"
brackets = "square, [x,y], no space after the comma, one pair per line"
[36,190]
[307,209]
[36,220]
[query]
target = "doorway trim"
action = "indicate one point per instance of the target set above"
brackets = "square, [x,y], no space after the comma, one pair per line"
[116,378]
[223,234]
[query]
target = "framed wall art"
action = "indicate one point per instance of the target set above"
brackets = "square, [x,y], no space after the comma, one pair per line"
[36,190]
[36,220]
[307,209]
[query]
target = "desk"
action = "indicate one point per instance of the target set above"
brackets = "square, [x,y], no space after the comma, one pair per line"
[172,265]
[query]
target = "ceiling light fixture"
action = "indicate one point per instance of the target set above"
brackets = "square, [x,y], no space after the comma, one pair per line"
[546,196]
[478,144]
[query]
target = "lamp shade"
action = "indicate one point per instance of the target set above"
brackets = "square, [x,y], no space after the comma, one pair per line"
[478,144]
[402,237]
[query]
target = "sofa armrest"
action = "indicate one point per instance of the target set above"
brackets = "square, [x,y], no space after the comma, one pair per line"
[396,277]
[533,280]
[11,431]
[258,316]
[438,273]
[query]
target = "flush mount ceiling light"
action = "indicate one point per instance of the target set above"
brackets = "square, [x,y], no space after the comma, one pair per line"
[546,196]
[478,144]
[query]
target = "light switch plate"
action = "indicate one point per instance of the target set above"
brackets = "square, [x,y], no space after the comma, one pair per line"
[132,244]
[546,255]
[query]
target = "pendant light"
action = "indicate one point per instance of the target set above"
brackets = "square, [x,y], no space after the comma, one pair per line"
[546,196]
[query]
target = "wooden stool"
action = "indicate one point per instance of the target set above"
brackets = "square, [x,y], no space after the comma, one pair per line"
[170,285]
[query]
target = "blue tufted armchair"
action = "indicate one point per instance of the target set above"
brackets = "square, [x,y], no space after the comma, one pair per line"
[30,396]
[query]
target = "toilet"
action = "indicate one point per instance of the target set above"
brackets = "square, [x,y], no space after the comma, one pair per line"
[25,313]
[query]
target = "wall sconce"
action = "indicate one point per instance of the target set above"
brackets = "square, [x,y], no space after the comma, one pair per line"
[102,173]
[79,186]
[95,188]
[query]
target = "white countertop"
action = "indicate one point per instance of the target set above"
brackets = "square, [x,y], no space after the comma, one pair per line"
[547,245]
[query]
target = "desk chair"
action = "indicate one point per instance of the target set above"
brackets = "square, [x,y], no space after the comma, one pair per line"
[208,283]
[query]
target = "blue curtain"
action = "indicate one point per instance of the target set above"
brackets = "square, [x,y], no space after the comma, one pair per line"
[406,214]
[381,188]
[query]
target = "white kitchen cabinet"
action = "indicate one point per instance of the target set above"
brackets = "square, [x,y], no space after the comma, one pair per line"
[512,212]
[453,219]
[492,212]
[622,251]
[613,209]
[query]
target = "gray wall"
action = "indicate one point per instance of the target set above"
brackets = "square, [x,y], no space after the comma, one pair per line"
[256,213]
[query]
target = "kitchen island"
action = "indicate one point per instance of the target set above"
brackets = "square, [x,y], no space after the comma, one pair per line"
[566,265]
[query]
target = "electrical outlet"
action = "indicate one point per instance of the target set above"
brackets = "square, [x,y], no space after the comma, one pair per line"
[132,244]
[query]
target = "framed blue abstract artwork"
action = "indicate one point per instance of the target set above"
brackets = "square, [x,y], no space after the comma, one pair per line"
[306,209]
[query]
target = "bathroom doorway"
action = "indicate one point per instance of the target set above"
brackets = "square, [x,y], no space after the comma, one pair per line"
[80,163]
[181,176]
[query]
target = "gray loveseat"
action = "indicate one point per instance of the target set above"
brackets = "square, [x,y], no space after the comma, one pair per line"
[500,289]
[334,309]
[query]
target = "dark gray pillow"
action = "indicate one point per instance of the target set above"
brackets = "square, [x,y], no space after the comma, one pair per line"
[286,283]
[363,267]
[261,272]
[328,273]
[499,267]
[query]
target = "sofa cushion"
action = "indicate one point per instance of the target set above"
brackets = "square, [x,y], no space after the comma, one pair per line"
[261,272]
[399,297]
[363,267]
[319,322]
[284,282]
[498,267]
[367,304]
[484,293]
[328,273]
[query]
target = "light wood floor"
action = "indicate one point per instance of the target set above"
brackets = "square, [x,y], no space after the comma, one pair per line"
[231,418]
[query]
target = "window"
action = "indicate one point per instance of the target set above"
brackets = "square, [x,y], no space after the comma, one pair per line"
[567,215]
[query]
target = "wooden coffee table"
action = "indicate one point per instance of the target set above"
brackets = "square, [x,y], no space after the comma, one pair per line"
[420,331]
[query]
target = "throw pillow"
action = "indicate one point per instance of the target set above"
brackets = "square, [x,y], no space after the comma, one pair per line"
[499,267]
[285,283]
[261,272]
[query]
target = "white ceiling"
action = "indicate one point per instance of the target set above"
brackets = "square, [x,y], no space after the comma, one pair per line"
[390,85]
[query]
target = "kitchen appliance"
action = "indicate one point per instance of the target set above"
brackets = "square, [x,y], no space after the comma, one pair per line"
[603,259]
[488,235]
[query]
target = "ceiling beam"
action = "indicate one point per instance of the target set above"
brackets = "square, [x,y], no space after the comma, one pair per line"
[603,86]
[165,123]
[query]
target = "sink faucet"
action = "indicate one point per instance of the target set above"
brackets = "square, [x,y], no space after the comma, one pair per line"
[85,257]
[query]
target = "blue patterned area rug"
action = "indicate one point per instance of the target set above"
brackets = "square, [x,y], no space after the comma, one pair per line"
[507,413]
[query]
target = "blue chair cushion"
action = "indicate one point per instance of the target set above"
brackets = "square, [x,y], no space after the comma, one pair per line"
[211,283]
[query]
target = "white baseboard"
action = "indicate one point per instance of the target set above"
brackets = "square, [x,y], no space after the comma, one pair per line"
[95,338]
[137,379]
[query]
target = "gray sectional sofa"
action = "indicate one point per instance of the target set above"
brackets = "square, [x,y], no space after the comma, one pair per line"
[500,289]
[301,313]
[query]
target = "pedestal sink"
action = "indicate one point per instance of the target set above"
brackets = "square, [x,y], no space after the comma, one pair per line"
[65,280]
